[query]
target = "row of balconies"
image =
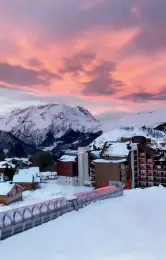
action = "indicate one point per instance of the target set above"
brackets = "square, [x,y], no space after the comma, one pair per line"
[144,184]
[149,183]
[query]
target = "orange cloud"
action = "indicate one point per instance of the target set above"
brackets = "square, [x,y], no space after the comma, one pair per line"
[56,63]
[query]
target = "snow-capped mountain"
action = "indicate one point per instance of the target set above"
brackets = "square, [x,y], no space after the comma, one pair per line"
[52,125]
[153,119]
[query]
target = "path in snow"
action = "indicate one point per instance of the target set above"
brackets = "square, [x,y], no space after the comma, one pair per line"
[131,227]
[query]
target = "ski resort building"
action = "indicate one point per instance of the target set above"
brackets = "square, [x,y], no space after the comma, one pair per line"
[67,169]
[148,163]
[103,171]
[73,168]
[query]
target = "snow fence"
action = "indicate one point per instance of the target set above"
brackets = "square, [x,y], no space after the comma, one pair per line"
[21,219]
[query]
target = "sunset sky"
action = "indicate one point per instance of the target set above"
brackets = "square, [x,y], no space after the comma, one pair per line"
[106,55]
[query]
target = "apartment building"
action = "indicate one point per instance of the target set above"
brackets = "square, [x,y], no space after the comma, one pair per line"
[148,164]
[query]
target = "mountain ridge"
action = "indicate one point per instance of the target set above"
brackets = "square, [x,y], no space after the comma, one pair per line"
[33,124]
[152,119]
[52,125]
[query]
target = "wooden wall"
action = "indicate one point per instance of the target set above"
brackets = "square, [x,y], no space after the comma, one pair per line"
[30,186]
[105,172]
[14,195]
[69,169]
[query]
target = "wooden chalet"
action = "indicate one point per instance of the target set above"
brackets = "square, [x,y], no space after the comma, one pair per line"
[29,178]
[10,193]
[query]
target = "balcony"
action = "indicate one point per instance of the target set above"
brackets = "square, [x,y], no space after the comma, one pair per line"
[142,162]
[141,155]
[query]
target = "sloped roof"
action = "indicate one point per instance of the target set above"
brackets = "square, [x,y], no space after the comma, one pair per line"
[30,175]
[115,149]
[95,154]
[5,188]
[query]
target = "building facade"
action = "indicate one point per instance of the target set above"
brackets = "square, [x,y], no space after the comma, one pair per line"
[148,164]
[73,168]
[103,171]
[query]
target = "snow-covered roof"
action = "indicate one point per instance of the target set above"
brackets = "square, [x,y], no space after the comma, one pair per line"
[5,188]
[71,152]
[109,161]
[30,175]
[17,159]
[115,149]
[95,154]
[4,163]
[68,158]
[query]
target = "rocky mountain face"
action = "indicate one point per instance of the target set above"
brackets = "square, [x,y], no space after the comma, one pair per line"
[51,127]
[13,147]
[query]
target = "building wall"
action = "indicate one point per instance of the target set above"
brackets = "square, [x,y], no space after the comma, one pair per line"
[69,181]
[105,172]
[2,170]
[29,186]
[3,199]
[14,195]
[67,169]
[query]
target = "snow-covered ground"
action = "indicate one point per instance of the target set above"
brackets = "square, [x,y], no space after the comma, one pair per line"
[49,190]
[131,227]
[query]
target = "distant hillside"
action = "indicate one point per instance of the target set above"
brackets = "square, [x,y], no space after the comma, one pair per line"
[117,134]
[152,119]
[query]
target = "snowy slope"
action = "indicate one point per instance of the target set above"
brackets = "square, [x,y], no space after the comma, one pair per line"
[41,125]
[117,134]
[148,119]
[131,227]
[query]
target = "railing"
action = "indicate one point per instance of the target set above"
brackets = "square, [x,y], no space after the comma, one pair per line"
[18,220]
